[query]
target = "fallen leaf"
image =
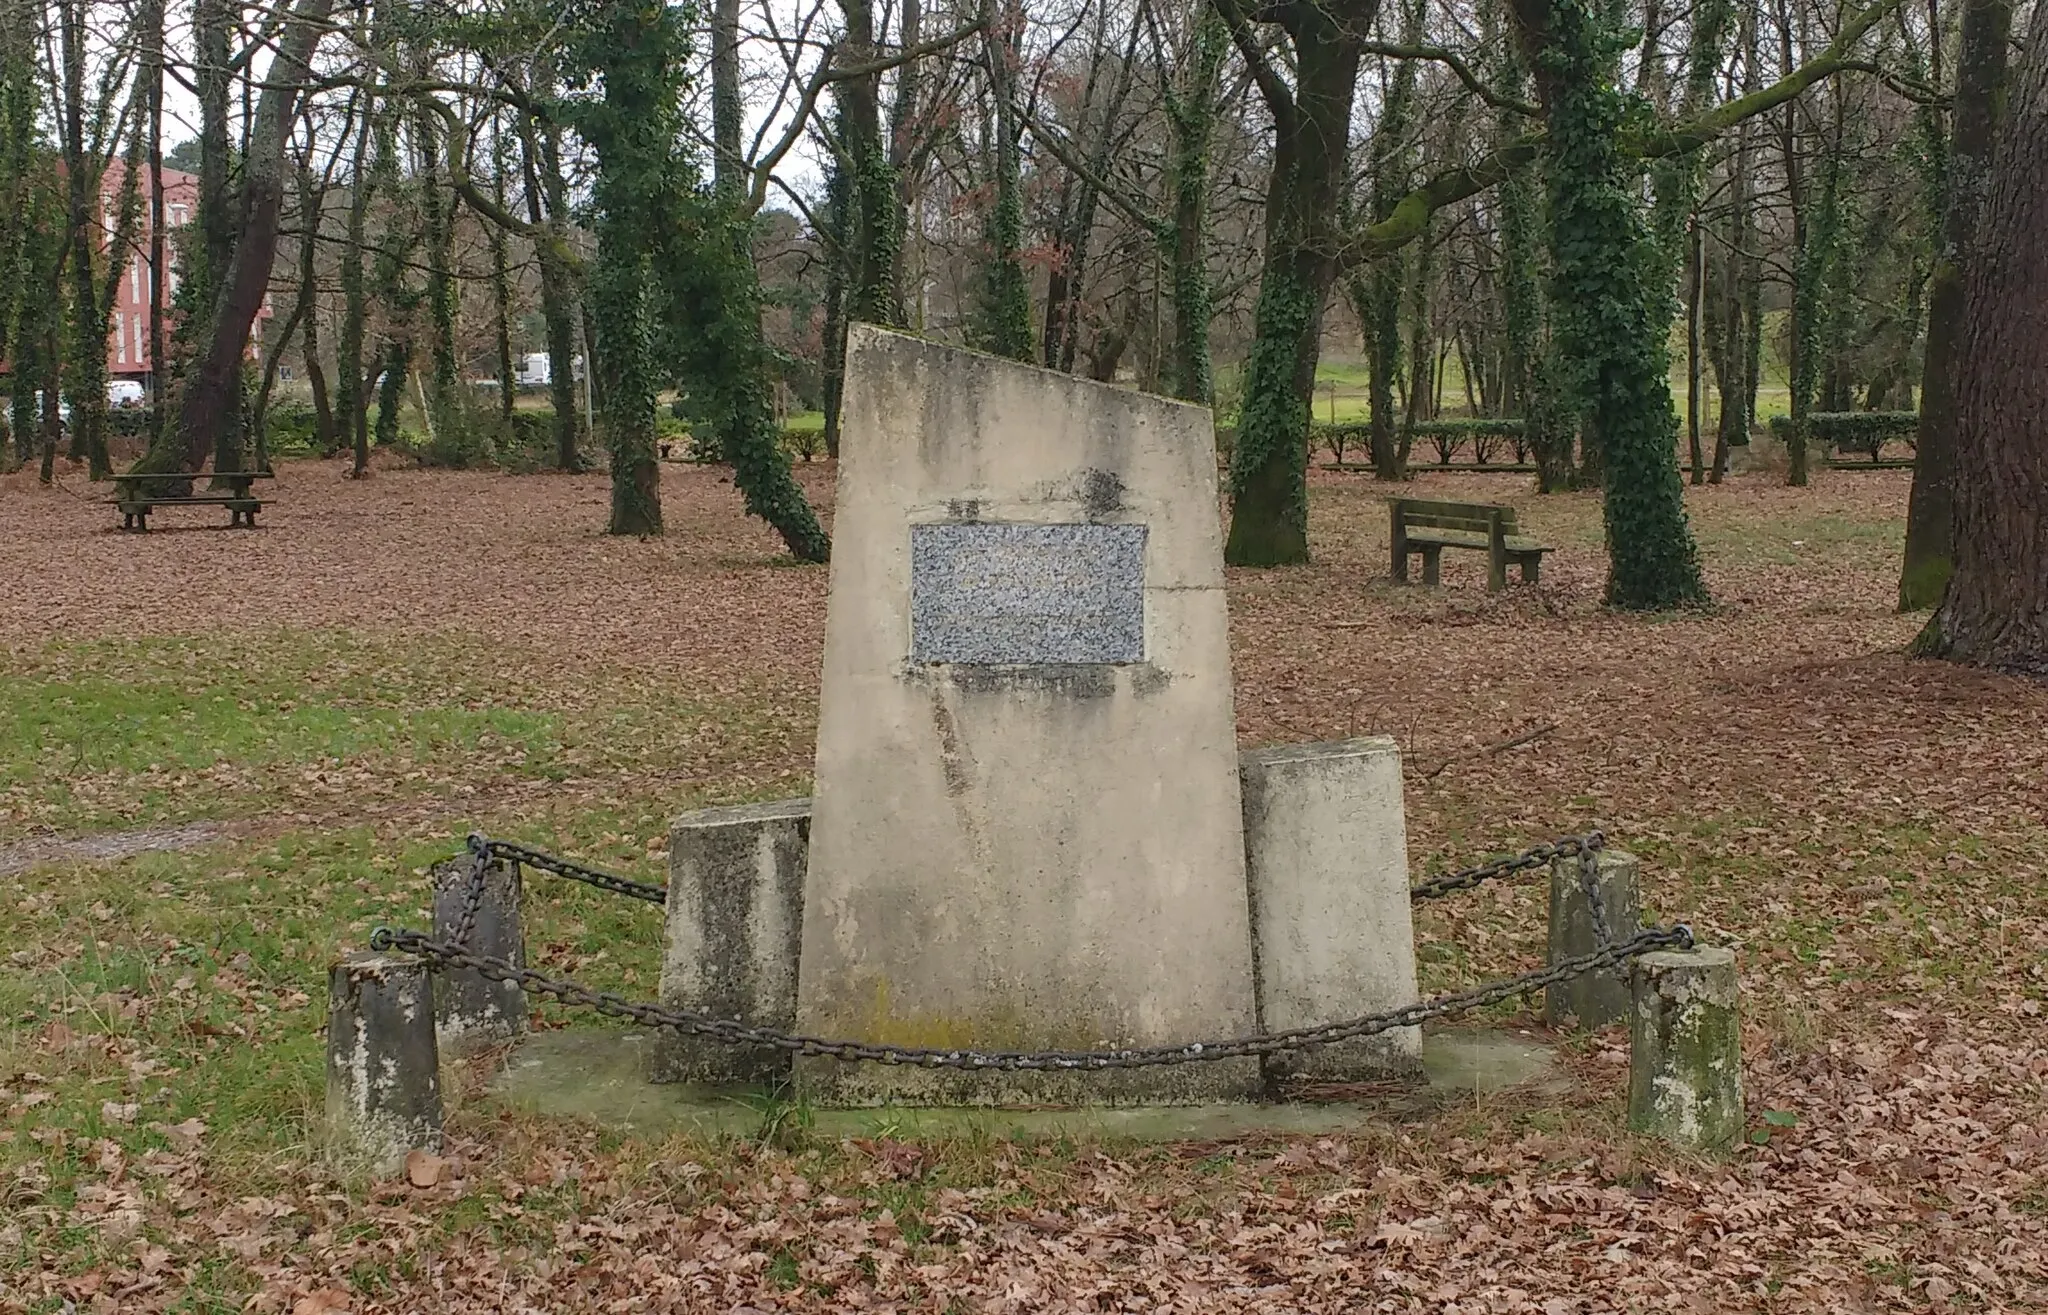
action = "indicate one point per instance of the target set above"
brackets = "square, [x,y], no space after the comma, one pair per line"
[325,1301]
[184,1136]
[423,1168]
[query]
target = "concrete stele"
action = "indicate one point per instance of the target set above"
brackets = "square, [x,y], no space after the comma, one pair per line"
[1326,844]
[1027,828]
[471,1011]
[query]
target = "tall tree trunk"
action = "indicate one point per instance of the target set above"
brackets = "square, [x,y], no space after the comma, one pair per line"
[211,404]
[1191,123]
[1981,77]
[1392,176]
[153,74]
[871,193]
[501,282]
[448,419]
[310,204]
[832,331]
[1269,465]
[1995,612]
[1611,294]
[1696,285]
[906,132]
[540,155]
[86,380]
[1002,318]
[1066,281]
[353,385]
[1803,337]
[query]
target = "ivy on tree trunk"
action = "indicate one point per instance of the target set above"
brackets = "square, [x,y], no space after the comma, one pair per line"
[1269,465]
[1610,295]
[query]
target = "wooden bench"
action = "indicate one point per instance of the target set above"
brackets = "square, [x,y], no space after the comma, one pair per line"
[135,502]
[1430,527]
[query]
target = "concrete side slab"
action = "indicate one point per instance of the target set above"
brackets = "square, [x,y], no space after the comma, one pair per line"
[1326,848]
[734,926]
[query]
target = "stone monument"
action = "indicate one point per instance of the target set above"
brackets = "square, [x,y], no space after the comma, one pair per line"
[1026,830]
[1032,829]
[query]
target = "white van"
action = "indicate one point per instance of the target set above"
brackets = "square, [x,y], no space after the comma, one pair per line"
[125,392]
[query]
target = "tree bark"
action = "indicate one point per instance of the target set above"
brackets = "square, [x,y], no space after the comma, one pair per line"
[540,155]
[1981,76]
[1269,466]
[212,399]
[1191,121]
[1002,318]
[310,201]
[1995,612]
[1801,364]
[1612,293]
[353,387]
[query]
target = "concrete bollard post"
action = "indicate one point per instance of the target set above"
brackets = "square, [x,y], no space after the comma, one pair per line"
[1685,1049]
[383,1068]
[1598,998]
[470,1010]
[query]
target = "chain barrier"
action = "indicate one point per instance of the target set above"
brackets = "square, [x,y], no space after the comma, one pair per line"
[446,954]
[1589,881]
[1586,848]
[512,852]
[1541,856]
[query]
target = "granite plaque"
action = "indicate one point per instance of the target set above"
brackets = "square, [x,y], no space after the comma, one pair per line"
[988,593]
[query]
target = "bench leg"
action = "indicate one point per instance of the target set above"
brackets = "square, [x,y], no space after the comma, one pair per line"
[1532,568]
[1432,560]
[1496,572]
[1400,546]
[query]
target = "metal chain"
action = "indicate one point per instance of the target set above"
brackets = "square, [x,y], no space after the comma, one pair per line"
[1435,888]
[562,867]
[1539,857]
[473,891]
[455,953]
[734,1032]
[1589,881]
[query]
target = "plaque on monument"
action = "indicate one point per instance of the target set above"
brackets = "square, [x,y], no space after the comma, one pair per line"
[997,593]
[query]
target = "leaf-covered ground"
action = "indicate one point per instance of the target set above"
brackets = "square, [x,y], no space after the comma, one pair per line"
[390,663]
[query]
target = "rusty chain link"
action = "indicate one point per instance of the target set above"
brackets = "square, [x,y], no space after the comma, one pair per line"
[443,954]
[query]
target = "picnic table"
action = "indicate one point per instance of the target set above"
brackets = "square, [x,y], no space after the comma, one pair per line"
[133,497]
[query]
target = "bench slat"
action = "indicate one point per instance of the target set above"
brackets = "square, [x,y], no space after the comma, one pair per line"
[1462,510]
[209,500]
[1450,538]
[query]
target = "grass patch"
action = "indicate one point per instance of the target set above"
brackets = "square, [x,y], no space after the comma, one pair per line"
[113,733]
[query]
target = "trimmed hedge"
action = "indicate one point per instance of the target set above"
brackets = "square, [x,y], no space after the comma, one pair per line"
[1484,434]
[1855,431]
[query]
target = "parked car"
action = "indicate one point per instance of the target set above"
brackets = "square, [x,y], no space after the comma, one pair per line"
[126,392]
[63,409]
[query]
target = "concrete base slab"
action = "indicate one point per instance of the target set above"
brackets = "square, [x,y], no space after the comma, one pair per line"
[600,1075]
